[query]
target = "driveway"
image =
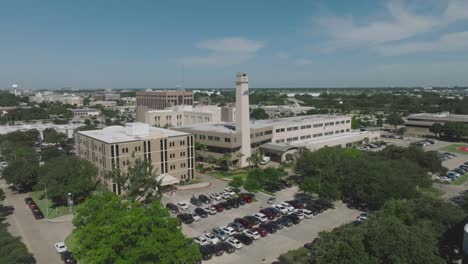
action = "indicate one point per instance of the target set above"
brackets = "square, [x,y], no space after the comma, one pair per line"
[39,236]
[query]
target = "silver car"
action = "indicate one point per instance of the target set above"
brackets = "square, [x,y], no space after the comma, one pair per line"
[218,232]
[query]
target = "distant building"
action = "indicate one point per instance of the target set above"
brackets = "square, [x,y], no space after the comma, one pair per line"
[275,111]
[65,98]
[111,97]
[106,104]
[85,112]
[170,152]
[129,100]
[67,129]
[163,99]
[420,124]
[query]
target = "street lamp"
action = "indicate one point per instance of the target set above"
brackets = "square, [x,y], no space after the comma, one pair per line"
[70,203]
[45,193]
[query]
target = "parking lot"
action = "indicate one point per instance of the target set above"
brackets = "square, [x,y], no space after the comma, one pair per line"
[260,251]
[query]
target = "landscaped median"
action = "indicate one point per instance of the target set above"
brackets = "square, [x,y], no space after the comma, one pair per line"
[54,211]
[228,174]
[457,148]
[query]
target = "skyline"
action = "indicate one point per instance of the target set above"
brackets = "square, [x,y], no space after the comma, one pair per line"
[321,44]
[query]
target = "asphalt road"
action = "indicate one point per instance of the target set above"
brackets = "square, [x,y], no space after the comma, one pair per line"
[39,236]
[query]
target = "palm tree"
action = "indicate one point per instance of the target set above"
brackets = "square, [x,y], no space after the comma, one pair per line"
[239,155]
[255,158]
[249,160]
[227,158]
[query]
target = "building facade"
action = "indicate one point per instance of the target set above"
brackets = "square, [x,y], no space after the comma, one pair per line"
[171,153]
[163,99]
[106,104]
[86,112]
[420,124]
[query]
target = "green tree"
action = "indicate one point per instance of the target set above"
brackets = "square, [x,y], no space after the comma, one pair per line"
[65,175]
[109,230]
[139,182]
[50,153]
[436,128]
[455,130]
[23,165]
[53,136]
[395,120]
[355,123]
[237,182]
[258,114]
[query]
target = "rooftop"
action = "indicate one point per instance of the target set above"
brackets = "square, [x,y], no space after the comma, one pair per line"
[443,117]
[130,132]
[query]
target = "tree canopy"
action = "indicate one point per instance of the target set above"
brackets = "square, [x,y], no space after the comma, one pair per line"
[111,230]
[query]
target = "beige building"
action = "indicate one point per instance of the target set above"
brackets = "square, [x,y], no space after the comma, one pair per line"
[170,152]
[420,124]
[85,112]
[163,99]
[106,104]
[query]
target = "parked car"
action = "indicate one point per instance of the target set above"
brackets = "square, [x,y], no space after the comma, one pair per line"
[206,252]
[243,222]
[233,203]
[247,197]
[211,238]
[278,224]
[285,221]
[228,248]
[288,206]
[243,238]
[204,199]
[261,217]
[38,214]
[216,197]
[220,233]
[226,205]
[307,213]
[196,217]
[281,208]
[229,230]
[252,219]
[172,208]
[201,240]
[217,249]
[236,226]
[67,257]
[185,218]
[218,207]
[182,205]
[229,191]
[296,204]
[200,212]
[211,210]
[271,210]
[269,227]
[261,231]
[299,214]
[239,200]
[60,247]
[252,234]
[270,215]
[271,200]
[294,218]
[195,201]
[28,200]
[235,243]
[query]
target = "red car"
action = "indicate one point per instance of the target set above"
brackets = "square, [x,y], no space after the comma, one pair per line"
[219,208]
[244,223]
[32,205]
[261,231]
[247,197]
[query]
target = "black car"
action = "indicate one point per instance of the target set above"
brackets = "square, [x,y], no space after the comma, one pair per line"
[239,200]
[228,248]
[269,227]
[206,252]
[244,239]
[38,214]
[233,202]
[218,250]
[274,211]
[286,183]
[204,199]
[195,201]
[226,205]
[271,189]
[172,208]
[285,221]
[67,258]
[294,218]
[185,218]
[28,200]
[201,212]
[278,224]
[252,219]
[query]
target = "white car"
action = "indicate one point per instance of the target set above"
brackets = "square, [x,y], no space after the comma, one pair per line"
[229,191]
[201,240]
[216,197]
[212,238]
[226,195]
[210,210]
[60,247]
[261,217]
[252,234]
[288,206]
[195,217]
[362,217]
[281,208]
[182,205]
[234,242]
[3,164]
[307,213]
[299,214]
[229,230]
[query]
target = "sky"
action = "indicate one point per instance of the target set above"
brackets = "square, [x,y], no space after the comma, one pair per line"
[51,44]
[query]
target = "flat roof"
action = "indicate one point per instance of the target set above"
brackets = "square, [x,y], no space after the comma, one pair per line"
[84,110]
[439,117]
[130,132]
[230,127]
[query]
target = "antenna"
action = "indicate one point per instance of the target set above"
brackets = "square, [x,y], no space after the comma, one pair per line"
[181,84]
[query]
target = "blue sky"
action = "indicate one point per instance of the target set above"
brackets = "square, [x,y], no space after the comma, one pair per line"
[279,43]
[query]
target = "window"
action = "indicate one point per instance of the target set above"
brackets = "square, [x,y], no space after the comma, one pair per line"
[210,137]
[308,126]
[318,125]
[289,139]
[268,132]
[295,138]
[303,137]
[342,122]
[347,130]
[171,144]
[290,129]
[172,155]
[303,127]
[348,121]
[337,132]
[182,165]
[182,154]
[337,122]
[217,138]
[342,131]
[227,140]
[182,143]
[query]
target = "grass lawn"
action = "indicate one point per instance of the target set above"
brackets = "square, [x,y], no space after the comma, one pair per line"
[70,241]
[453,148]
[431,191]
[295,256]
[460,180]
[227,174]
[54,211]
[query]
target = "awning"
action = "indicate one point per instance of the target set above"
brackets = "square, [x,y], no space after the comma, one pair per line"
[167,179]
[276,148]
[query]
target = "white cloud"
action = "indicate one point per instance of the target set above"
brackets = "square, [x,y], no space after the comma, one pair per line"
[283,55]
[402,24]
[450,42]
[225,51]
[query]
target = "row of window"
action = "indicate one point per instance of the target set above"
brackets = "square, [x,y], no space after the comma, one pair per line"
[310,136]
[280,130]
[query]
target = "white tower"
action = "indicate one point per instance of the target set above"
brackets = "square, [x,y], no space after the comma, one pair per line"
[243,116]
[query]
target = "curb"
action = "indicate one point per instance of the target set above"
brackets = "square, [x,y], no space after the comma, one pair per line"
[195,188]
